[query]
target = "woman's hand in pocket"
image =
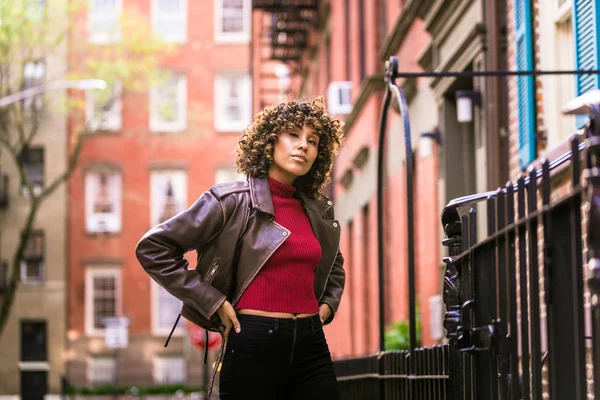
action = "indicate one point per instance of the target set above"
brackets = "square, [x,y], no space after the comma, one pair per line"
[229,318]
[324,312]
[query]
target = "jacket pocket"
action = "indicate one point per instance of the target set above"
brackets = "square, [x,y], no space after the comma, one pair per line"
[212,270]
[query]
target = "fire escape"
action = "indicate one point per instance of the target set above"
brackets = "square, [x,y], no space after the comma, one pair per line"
[284,31]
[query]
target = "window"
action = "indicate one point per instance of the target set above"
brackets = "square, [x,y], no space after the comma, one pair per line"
[101,370]
[169,370]
[168,191]
[232,23]
[169,20]
[165,309]
[525,84]
[103,201]
[587,46]
[32,265]
[102,298]
[233,101]
[168,104]
[34,341]
[228,174]
[104,24]
[33,162]
[34,74]
[35,10]
[103,108]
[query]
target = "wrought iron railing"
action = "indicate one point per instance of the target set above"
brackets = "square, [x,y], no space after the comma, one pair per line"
[523,282]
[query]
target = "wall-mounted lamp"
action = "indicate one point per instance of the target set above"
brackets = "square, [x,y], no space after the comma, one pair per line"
[464,104]
[426,142]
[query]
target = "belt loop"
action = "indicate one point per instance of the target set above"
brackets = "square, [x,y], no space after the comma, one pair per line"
[276,325]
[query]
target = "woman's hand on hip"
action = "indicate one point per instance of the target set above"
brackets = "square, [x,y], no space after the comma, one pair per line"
[324,312]
[229,318]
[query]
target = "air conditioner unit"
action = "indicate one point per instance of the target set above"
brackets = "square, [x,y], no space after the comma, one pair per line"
[339,97]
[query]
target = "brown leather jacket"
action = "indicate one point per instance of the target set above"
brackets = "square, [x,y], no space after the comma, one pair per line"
[237,215]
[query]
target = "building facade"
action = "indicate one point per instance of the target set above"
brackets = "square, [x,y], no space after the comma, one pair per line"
[32,345]
[454,154]
[151,156]
[547,36]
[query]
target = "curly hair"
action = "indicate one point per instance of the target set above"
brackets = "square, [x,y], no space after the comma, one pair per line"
[254,150]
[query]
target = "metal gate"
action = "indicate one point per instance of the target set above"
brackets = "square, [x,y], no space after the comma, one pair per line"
[515,313]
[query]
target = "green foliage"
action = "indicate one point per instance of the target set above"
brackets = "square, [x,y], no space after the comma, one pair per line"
[397,337]
[105,390]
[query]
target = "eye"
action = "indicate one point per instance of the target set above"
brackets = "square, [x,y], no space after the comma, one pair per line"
[313,142]
[293,134]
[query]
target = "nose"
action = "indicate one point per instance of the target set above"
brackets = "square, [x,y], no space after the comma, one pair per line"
[303,144]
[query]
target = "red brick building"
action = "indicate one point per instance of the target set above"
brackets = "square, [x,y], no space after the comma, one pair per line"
[140,167]
[342,56]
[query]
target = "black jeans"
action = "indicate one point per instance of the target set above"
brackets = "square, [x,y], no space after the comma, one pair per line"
[278,358]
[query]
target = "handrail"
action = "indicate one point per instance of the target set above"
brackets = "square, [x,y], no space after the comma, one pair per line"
[392,90]
[473,198]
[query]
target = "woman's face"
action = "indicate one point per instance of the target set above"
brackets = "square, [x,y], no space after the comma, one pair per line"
[294,154]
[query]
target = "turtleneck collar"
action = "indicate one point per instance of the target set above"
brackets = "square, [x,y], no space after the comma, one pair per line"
[279,189]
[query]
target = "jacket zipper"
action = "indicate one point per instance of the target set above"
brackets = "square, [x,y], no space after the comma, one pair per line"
[287,235]
[332,264]
[213,270]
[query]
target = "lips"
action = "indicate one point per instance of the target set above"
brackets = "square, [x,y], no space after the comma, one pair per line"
[299,157]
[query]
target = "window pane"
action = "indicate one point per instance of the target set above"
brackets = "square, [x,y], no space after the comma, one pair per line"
[103,201]
[233,16]
[167,104]
[168,308]
[169,370]
[104,299]
[102,370]
[100,6]
[33,163]
[33,341]
[170,6]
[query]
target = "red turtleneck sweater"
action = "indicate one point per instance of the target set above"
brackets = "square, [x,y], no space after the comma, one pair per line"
[286,281]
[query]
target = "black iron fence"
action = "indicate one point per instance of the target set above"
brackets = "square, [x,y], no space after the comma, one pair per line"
[388,375]
[514,299]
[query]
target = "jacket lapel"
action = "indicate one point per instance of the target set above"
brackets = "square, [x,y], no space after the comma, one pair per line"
[326,231]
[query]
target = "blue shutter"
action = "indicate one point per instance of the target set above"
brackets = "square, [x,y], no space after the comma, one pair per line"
[525,84]
[585,28]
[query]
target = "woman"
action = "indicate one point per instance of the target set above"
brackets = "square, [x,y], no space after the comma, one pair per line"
[269,267]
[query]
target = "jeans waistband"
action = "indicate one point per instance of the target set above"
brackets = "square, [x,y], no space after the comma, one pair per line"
[313,322]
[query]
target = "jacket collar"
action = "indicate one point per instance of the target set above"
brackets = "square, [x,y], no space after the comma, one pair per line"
[260,193]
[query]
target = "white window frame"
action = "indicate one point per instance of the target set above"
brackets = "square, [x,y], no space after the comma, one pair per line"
[233,37]
[157,124]
[228,174]
[42,276]
[35,10]
[112,222]
[90,274]
[180,20]
[158,330]
[163,364]
[104,37]
[223,122]
[158,178]
[112,119]
[40,70]
[96,362]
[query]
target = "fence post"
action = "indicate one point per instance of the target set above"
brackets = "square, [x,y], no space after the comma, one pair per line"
[452,227]
[593,237]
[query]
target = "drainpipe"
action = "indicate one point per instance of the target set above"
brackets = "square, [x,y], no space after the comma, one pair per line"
[496,93]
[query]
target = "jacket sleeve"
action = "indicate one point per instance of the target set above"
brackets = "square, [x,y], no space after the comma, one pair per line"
[160,252]
[336,282]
